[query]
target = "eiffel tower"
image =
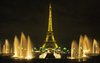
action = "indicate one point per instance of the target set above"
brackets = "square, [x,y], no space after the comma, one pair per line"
[50,41]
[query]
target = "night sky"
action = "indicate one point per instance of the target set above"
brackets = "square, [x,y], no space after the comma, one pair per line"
[71,18]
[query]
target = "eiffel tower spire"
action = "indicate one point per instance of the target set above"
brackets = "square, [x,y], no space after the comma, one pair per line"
[50,36]
[50,40]
[50,19]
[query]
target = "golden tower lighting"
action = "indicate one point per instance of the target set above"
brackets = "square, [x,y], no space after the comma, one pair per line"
[50,40]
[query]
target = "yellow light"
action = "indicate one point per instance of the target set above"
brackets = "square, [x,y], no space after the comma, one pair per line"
[7,49]
[50,29]
[96,46]
[18,47]
[50,20]
[37,51]
[29,57]
[47,38]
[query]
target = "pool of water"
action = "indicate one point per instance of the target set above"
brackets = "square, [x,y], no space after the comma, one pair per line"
[64,59]
[8,59]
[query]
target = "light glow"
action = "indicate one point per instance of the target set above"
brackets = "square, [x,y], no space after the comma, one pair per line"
[57,56]
[43,55]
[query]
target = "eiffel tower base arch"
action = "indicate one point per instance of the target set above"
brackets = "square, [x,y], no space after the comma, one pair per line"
[49,44]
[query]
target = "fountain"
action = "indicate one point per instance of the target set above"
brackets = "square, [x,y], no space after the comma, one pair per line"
[23,45]
[74,49]
[95,47]
[25,51]
[16,46]
[21,50]
[80,45]
[4,49]
[6,46]
[29,49]
[11,50]
[0,48]
[86,46]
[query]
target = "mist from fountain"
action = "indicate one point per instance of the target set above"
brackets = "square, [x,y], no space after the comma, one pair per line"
[22,50]
[4,49]
[23,45]
[29,49]
[16,46]
[80,45]
[0,48]
[86,46]
[11,50]
[95,46]
[6,46]
[74,49]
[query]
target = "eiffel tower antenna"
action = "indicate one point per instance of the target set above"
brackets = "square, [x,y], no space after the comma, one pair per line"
[50,19]
[50,40]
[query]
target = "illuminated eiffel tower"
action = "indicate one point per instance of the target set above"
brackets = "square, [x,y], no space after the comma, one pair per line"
[50,40]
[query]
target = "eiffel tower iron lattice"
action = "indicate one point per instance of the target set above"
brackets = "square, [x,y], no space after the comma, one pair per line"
[50,40]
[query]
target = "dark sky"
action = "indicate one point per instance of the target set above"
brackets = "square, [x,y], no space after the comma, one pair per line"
[70,19]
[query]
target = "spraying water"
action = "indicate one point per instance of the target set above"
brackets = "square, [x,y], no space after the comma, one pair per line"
[74,49]
[0,48]
[4,49]
[29,49]
[86,46]
[7,46]
[95,46]
[16,46]
[80,45]
[23,45]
